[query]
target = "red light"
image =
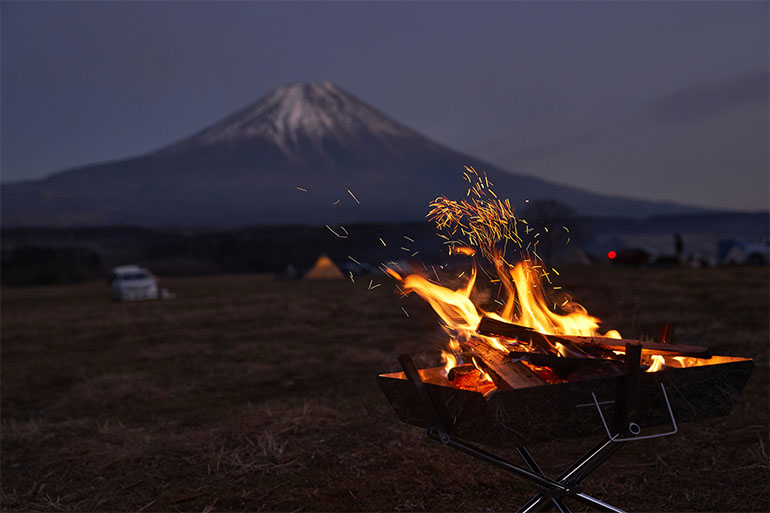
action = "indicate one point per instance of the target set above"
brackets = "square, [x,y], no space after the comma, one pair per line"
[612,255]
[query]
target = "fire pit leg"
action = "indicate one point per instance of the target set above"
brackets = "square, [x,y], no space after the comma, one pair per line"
[590,461]
[627,395]
[540,503]
[552,488]
[575,474]
[572,478]
[437,419]
[536,503]
[534,467]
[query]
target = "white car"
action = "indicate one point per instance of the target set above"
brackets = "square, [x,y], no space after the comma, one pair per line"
[133,283]
[758,253]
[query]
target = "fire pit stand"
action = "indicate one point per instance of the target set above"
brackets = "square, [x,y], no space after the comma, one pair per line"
[568,485]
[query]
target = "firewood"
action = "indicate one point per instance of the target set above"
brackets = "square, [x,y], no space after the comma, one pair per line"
[504,372]
[572,368]
[494,328]
[543,343]
[648,348]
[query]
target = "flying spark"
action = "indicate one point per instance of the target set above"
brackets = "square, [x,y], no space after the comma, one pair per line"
[335,233]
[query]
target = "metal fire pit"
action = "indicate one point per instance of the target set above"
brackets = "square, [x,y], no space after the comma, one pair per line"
[624,408]
[566,410]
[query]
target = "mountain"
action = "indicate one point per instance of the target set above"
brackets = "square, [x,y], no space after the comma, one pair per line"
[247,168]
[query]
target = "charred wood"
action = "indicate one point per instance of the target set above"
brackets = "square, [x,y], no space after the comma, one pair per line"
[647,347]
[572,368]
[494,328]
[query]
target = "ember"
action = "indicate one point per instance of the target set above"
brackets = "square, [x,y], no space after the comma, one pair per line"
[470,377]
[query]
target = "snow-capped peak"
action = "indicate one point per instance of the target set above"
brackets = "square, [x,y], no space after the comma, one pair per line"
[312,111]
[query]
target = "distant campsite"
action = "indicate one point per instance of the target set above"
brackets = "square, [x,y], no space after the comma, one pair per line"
[38,256]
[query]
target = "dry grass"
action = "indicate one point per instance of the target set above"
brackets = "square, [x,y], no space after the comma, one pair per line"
[249,394]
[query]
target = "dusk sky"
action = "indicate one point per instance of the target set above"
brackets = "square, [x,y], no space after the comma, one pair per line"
[665,101]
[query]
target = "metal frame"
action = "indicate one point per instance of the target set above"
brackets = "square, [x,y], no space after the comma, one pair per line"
[569,483]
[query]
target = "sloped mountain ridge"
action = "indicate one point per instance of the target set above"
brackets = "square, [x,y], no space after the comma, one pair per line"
[246,169]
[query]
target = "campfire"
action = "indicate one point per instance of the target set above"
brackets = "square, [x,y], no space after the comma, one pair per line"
[532,364]
[538,335]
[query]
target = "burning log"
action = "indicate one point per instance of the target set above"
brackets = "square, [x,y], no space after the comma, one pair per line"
[647,347]
[494,328]
[571,368]
[505,373]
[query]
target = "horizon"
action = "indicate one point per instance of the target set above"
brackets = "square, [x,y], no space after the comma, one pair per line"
[677,135]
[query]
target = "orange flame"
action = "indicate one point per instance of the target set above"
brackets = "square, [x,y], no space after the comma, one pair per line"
[460,314]
[454,307]
[658,362]
[535,310]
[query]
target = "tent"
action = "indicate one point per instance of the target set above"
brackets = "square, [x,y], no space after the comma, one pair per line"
[324,269]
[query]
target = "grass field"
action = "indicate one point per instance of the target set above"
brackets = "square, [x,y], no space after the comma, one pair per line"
[246,393]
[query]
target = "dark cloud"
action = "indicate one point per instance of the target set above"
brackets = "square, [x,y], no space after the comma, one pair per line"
[549,147]
[691,104]
[699,101]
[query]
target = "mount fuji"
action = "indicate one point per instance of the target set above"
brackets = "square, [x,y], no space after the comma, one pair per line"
[306,153]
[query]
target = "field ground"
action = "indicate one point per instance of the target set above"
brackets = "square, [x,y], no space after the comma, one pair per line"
[246,393]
